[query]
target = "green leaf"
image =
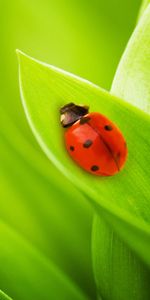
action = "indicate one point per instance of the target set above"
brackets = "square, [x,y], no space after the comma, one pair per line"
[44,89]
[119,274]
[3,296]
[28,274]
[132,78]
[29,183]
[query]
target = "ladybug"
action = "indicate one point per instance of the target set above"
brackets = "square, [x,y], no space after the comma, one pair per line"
[93,141]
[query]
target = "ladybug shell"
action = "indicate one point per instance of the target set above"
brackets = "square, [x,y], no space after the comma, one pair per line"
[96,144]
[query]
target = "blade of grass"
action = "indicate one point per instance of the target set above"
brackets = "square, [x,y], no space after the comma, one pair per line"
[44,89]
[3,296]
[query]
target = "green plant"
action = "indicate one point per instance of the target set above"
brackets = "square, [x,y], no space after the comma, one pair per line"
[123,200]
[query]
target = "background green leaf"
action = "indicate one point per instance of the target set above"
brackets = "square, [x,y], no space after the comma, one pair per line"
[27,266]
[44,89]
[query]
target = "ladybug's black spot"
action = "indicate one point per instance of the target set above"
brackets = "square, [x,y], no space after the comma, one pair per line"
[71,148]
[94,168]
[84,120]
[108,127]
[87,143]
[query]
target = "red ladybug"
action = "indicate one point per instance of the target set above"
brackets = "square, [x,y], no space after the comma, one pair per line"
[93,141]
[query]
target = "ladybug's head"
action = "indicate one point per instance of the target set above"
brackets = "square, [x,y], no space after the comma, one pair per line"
[71,113]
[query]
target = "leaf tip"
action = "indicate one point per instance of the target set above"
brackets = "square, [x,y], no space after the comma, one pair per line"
[18,51]
[23,57]
[20,54]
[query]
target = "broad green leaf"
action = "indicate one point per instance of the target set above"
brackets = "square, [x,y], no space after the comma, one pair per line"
[3,296]
[44,89]
[119,273]
[29,183]
[28,274]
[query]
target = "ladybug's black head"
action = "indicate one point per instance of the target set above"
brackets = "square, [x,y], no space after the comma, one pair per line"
[70,113]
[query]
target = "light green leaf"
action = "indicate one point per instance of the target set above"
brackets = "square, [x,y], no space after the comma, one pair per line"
[3,296]
[132,78]
[44,89]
